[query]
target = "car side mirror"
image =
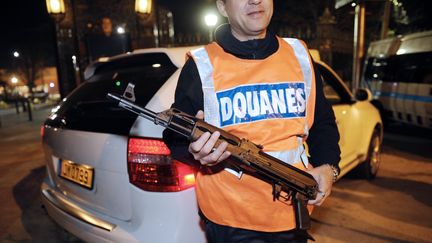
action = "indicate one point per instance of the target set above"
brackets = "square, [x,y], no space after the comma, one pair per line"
[363,94]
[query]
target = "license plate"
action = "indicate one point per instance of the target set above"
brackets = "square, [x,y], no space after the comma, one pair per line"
[80,174]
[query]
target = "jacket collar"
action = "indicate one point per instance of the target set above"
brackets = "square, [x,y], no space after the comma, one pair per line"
[251,49]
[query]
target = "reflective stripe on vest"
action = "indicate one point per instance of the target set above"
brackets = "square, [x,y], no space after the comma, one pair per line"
[205,70]
[303,58]
[211,104]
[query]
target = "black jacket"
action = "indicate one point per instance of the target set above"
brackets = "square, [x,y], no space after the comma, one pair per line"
[323,135]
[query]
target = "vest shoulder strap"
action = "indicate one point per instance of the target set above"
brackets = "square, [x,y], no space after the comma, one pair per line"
[302,54]
[205,71]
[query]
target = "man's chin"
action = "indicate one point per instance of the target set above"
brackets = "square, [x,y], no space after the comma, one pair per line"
[258,32]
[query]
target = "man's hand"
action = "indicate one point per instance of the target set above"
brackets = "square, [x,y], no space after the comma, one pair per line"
[203,149]
[324,176]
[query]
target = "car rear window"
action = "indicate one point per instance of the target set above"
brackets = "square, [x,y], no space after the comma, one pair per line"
[87,107]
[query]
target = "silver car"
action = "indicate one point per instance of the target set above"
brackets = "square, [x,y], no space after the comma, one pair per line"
[110,176]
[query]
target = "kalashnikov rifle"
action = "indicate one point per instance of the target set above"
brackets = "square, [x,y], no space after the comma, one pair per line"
[297,185]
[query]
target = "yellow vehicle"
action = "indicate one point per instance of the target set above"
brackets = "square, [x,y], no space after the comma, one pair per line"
[399,73]
[359,123]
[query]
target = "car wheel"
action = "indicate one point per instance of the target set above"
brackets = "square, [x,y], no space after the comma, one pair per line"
[369,168]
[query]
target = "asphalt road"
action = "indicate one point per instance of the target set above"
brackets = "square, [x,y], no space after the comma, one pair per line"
[22,218]
[395,207]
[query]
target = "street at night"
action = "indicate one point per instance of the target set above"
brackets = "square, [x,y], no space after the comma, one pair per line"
[394,207]
[194,121]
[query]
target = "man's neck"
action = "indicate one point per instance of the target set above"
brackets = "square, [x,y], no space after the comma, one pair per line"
[249,49]
[242,37]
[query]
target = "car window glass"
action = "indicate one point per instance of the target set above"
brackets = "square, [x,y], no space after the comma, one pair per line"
[333,89]
[411,68]
[330,93]
[376,69]
[406,68]
[88,109]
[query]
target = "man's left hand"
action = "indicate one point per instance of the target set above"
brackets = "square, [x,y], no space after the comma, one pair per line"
[324,176]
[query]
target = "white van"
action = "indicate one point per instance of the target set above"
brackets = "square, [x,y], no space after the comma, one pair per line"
[398,71]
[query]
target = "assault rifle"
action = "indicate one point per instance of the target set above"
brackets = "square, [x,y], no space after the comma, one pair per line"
[297,185]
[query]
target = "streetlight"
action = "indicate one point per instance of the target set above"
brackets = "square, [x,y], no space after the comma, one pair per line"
[16,55]
[211,21]
[56,9]
[143,7]
[359,39]
[14,80]
[121,30]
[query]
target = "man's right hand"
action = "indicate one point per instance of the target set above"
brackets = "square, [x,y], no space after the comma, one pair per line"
[203,149]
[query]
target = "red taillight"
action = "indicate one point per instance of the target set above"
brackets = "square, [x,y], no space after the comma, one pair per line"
[42,131]
[148,146]
[151,167]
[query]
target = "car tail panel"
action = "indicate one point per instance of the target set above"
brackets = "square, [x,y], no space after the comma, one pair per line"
[108,192]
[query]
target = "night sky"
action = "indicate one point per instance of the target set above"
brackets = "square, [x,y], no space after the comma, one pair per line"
[22,22]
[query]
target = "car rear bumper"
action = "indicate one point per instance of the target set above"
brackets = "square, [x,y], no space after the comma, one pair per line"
[160,218]
[58,201]
[80,222]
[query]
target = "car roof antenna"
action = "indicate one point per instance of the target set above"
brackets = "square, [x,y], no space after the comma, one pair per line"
[129,92]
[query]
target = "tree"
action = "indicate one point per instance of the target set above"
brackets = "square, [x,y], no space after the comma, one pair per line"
[411,16]
[29,65]
[35,51]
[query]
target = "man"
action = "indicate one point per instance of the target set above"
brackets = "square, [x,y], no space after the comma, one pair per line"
[261,87]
